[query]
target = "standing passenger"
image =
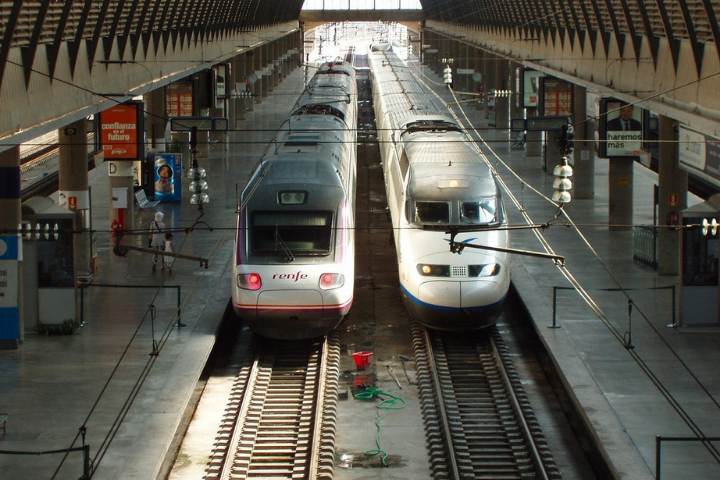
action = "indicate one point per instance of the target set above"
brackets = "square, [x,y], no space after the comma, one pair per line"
[157,241]
[167,259]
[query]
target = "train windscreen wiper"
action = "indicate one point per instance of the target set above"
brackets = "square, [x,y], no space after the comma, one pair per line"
[279,242]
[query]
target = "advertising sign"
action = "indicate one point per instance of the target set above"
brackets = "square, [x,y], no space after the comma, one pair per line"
[531,88]
[699,153]
[179,99]
[220,73]
[121,132]
[556,99]
[167,168]
[621,132]
[9,316]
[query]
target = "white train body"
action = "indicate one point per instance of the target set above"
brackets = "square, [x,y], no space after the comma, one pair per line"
[435,180]
[293,272]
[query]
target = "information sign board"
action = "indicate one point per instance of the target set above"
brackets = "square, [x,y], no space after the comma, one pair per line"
[556,97]
[121,131]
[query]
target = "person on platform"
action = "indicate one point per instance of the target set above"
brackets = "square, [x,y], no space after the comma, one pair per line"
[625,121]
[167,259]
[157,238]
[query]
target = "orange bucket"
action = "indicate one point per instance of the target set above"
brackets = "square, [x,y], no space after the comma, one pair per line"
[362,359]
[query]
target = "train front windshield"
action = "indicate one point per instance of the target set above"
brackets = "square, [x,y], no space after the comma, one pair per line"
[291,234]
[483,211]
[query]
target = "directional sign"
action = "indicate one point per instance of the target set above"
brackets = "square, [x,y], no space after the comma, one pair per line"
[203,124]
[538,124]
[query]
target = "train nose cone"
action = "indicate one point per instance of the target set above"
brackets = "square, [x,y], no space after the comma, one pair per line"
[442,293]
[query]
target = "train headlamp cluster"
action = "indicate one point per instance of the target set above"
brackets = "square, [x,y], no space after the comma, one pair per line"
[562,185]
[198,186]
[482,270]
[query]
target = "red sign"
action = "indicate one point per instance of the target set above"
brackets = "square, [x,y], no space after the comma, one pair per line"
[673,200]
[178,99]
[119,132]
[557,98]
[72,203]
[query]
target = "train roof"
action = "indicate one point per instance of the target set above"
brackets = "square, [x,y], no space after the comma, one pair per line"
[457,181]
[338,66]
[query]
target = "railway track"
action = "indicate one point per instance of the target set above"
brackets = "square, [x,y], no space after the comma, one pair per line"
[478,421]
[279,419]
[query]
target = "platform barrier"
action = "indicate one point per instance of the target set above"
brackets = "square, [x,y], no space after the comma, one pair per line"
[645,245]
[630,306]
[659,439]
[85,449]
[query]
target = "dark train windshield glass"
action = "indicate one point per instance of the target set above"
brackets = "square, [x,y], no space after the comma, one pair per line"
[432,212]
[482,212]
[291,233]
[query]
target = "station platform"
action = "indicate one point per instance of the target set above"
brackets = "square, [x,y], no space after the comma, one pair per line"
[49,386]
[610,383]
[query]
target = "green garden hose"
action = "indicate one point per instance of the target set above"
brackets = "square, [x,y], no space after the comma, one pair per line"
[388,402]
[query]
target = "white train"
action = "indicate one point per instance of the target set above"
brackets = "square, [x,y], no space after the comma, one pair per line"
[294,268]
[435,180]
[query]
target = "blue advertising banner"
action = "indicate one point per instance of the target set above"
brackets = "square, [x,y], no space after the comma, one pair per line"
[167,169]
[9,315]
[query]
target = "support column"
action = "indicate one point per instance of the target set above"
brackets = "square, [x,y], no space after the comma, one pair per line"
[74,194]
[673,187]
[266,68]
[249,62]
[257,55]
[516,108]
[202,100]
[237,106]
[155,119]
[478,76]
[11,317]
[502,118]
[583,153]
[533,140]
[620,191]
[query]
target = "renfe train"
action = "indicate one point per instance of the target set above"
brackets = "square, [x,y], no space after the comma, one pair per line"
[293,273]
[436,181]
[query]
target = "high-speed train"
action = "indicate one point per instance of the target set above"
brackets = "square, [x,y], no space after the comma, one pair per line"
[293,272]
[435,181]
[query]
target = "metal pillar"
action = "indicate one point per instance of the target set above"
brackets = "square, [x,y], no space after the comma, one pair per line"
[74,193]
[583,154]
[11,320]
[620,177]
[266,68]
[257,56]
[672,197]
[155,119]
[502,120]
[533,140]
[202,104]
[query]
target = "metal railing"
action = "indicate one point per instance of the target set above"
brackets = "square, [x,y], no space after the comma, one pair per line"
[630,306]
[644,242]
[85,449]
[659,439]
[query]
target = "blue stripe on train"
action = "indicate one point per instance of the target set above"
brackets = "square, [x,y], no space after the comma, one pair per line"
[442,308]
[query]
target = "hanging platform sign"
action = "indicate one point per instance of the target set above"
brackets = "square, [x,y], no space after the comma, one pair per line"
[121,131]
[699,154]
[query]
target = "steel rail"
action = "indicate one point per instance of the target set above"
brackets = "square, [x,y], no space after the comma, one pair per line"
[519,414]
[449,446]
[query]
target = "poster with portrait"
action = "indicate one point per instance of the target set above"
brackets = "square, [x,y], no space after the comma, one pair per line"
[531,88]
[621,129]
[167,169]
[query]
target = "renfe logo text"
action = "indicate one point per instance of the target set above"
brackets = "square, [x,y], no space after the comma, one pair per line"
[290,276]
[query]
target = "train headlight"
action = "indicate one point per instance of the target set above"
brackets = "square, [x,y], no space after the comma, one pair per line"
[427,270]
[487,270]
[249,281]
[331,280]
